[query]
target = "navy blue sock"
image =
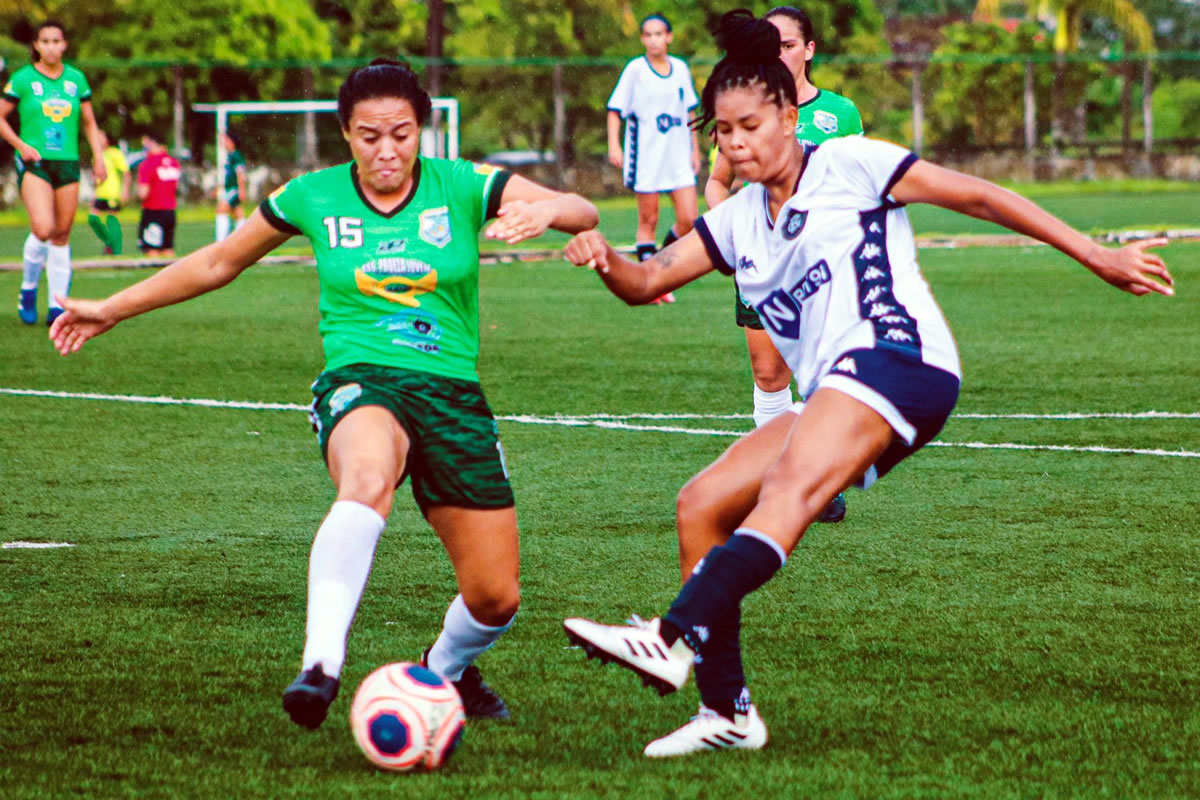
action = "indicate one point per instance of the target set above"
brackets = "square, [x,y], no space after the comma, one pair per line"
[714,592]
[670,238]
[719,673]
[646,251]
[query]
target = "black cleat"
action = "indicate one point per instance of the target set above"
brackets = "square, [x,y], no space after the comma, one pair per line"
[308,699]
[835,511]
[479,700]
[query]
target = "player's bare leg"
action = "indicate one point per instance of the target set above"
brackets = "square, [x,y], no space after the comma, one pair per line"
[366,456]
[484,547]
[58,254]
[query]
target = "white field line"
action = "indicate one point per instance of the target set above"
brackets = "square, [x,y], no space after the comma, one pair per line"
[35,545]
[614,421]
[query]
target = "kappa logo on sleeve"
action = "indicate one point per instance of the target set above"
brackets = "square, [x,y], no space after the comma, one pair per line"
[435,226]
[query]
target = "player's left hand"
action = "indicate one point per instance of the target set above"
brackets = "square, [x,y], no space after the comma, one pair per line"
[1132,269]
[519,220]
[99,171]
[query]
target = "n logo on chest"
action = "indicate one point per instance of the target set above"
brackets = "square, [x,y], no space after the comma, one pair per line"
[781,311]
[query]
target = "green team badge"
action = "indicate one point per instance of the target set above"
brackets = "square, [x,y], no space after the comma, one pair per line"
[435,226]
[825,121]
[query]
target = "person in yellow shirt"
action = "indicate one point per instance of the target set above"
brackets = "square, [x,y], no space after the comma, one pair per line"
[111,195]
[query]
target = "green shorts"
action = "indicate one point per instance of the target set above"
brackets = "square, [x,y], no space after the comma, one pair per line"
[454,456]
[232,197]
[745,316]
[56,173]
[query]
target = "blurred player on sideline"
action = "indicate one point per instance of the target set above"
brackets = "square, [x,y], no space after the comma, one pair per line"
[395,236]
[655,97]
[233,195]
[111,196]
[157,189]
[52,100]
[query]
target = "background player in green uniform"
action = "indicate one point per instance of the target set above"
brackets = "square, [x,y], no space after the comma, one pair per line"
[822,115]
[233,195]
[396,242]
[51,99]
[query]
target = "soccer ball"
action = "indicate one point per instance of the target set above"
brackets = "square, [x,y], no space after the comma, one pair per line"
[406,717]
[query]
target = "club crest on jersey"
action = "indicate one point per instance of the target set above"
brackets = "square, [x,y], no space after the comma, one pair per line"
[38,91]
[794,223]
[435,226]
[56,110]
[825,121]
[70,88]
[344,396]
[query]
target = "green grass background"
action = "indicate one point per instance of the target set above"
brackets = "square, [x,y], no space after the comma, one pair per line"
[986,623]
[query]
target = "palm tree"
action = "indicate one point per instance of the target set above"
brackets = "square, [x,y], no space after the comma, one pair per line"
[1068,16]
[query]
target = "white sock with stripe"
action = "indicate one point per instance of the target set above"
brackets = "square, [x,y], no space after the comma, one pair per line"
[35,258]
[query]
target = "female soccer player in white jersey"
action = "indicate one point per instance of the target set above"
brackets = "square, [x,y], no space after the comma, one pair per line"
[821,115]
[395,236]
[822,249]
[655,98]
[53,101]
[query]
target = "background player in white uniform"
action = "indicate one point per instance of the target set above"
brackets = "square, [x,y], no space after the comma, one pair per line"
[824,252]
[655,97]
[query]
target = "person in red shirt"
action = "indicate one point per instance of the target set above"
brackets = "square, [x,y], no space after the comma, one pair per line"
[158,179]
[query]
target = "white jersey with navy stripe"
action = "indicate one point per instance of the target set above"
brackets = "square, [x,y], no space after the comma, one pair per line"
[837,269]
[655,107]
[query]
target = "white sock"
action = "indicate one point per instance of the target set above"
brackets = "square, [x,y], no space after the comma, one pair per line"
[338,567]
[35,259]
[222,226]
[58,272]
[769,405]
[462,640]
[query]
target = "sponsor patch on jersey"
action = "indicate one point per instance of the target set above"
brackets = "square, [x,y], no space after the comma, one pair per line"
[435,226]
[344,396]
[825,121]
[391,246]
[794,223]
[409,288]
[665,122]
[56,110]
[37,88]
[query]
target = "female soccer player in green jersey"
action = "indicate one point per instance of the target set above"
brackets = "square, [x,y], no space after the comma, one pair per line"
[395,236]
[51,99]
[821,115]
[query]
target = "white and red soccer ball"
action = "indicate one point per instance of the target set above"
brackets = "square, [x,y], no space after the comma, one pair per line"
[406,717]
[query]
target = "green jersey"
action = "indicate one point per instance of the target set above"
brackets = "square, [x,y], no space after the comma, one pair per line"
[233,162]
[827,116]
[49,109]
[401,288]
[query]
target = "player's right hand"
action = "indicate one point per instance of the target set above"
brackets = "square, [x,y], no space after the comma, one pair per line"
[588,249]
[30,155]
[81,320]
[616,157]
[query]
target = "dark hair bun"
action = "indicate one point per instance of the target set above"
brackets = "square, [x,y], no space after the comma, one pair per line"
[747,39]
[388,62]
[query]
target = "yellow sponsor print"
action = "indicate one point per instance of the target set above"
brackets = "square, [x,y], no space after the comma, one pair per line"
[57,110]
[484,169]
[382,287]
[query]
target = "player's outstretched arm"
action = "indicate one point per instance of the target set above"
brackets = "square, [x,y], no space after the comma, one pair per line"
[1129,268]
[528,209]
[202,271]
[638,283]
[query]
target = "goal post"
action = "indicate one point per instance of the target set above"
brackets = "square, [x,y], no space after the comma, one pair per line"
[439,137]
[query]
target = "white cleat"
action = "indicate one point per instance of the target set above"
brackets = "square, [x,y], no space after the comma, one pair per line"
[637,646]
[708,730]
